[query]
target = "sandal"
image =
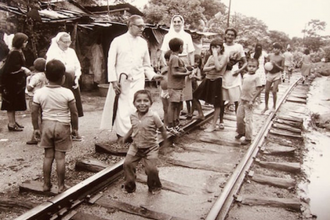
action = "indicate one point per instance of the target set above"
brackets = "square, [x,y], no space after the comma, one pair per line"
[18,125]
[14,128]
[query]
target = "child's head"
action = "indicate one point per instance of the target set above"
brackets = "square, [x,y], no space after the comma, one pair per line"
[142,100]
[167,55]
[198,61]
[252,65]
[306,51]
[39,64]
[55,70]
[176,45]
[277,47]
[217,43]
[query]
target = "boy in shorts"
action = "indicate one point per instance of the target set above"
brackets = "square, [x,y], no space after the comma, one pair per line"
[59,115]
[177,72]
[273,77]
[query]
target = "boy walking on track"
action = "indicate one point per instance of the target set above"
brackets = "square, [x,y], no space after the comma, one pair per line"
[145,124]
[59,113]
[251,89]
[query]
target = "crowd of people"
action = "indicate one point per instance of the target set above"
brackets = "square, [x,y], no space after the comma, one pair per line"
[227,77]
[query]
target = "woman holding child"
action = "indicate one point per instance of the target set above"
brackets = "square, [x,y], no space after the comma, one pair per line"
[232,80]
[60,50]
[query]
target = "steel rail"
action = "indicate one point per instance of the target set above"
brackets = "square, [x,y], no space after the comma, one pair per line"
[58,206]
[221,207]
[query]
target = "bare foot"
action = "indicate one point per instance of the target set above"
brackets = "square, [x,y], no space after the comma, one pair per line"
[63,188]
[199,117]
[263,111]
[46,187]
[273,109]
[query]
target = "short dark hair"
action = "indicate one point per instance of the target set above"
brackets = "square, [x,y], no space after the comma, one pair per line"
[254,61]
[167,55]
[306,51]
[175,44]
[142,91]
[39,64]
[217,42]
[55,70]
[277,46]
[19,39]
[231,29]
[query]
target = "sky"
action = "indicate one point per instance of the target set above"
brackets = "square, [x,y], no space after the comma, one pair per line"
[288,16]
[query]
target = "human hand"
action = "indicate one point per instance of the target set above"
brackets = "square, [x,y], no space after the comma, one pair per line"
[189,68]
[26,70]
[37,134]
[76,83]
[214,51]
[116,87]
[158,77]
[235,73]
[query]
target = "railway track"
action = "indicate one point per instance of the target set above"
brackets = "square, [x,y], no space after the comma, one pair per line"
[204,176]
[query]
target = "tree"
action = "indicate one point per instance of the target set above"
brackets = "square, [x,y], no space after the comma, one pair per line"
[312,40]
[161,11]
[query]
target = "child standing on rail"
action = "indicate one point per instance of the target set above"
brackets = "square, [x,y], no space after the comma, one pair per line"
[210,90]
[58,107]
[177,72]
[251,89]
[164,92]
[273,76]
[145,124]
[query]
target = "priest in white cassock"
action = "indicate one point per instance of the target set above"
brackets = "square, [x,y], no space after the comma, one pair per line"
[128,54]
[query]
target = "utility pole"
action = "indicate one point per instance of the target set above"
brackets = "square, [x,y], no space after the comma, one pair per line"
[228,13]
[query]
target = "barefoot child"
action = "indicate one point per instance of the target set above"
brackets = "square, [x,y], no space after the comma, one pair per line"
[251,88]
[177,71]
[58,108]
[210,90]
[145,124]
[164,92]
[273,77]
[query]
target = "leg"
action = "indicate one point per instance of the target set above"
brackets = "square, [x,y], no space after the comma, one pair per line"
[11,118]
[267,89]
[248,112]
[222,111]
[199,109]
[165,109]
[189,108]
[171,108]
[236,106]
[215,119]
[47,168]
[129,165]
[150,163]
[60,170]
[240,123]
[275,88]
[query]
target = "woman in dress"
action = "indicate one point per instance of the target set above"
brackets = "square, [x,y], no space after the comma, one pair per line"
[14,81]
[306,65]
[60,50]
[177,31]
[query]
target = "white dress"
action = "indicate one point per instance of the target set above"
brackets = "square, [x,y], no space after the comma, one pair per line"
[231,85]
[130,55]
